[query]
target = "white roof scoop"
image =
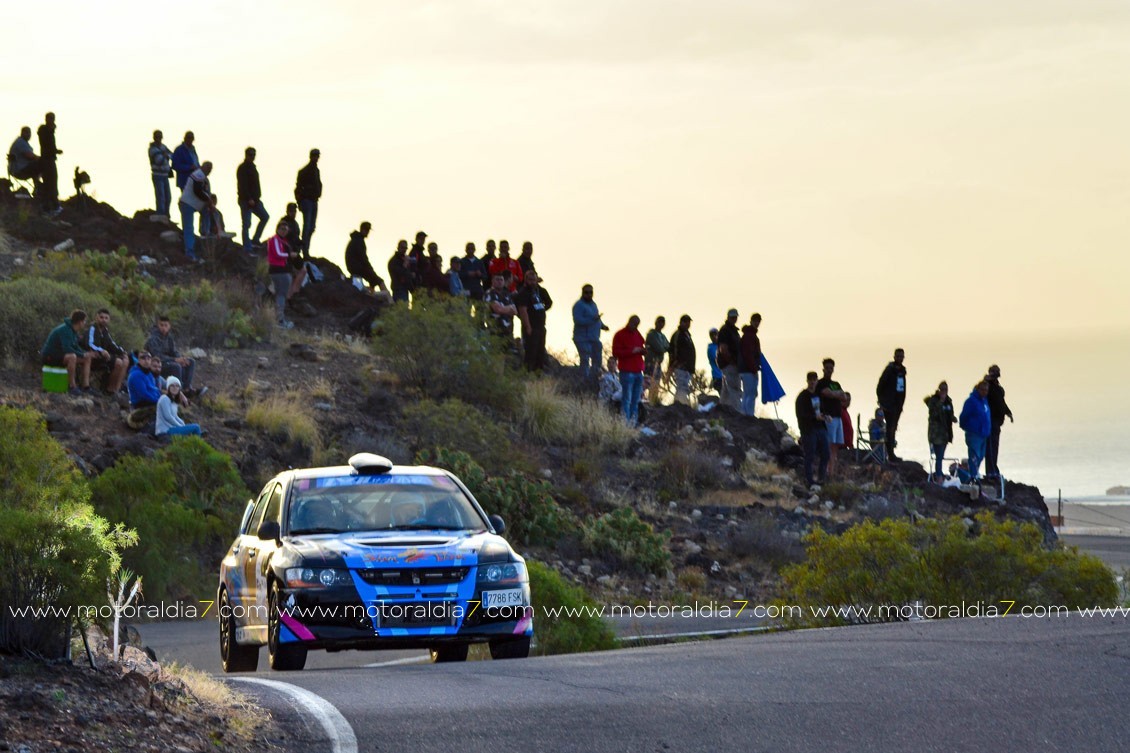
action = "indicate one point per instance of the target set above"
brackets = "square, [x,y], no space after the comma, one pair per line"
[367,464]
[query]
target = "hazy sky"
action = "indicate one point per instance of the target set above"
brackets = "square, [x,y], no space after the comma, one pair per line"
[845,168]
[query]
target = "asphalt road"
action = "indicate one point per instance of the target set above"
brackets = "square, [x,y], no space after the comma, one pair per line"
[1113,550]
[1011,684]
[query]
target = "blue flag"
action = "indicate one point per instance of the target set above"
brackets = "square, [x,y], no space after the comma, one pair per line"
[771,389]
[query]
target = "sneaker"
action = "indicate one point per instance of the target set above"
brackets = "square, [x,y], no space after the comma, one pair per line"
[286,324]
[76,391]
[202,392]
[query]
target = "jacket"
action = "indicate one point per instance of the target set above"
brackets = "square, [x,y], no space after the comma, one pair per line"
[399,275]
[975,417]
[586,321]
[61,341]
[472,284]
[184,162]
[162,346]
[142,387]
[729,346]
[309,183]
[939,426]
[101,340]
[998,408]
[247,183]
[750,350]
[682,351]
[278,253]
[167,416]
[891,389]
[657,347]
[623,343]
[160,159]
[48,152]
[807,419]
[194,192]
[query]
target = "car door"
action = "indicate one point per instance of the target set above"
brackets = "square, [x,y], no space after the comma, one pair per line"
[260,561]
[244,551]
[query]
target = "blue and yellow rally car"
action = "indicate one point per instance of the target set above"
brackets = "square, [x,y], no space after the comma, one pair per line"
[370,556]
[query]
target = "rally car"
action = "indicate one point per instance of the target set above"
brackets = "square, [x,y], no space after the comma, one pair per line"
[370,556]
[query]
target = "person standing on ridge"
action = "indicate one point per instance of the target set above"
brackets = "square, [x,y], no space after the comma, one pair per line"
[712,358]
[999,409]
[488,257]
[751,364]
[681,363]
[813,431]
[533,301]
[48,154]
[307,192]
[628,349]
[526,258]
[195,197]
[657,347]
[587,326]
[891,392]
[832,399]
[939,427]
[250,195]
[471,273]
[977,423]
[504,265]
[730,360]
[399,275]
[185,160]
[160,164]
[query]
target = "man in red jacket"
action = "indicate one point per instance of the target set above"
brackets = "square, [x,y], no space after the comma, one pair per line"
[628,349]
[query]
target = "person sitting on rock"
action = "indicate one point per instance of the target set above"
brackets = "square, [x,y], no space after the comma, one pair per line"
[63,349]
[163,346]
[143,392]
[23,162]
[357,263]
[168,419]
[106,354]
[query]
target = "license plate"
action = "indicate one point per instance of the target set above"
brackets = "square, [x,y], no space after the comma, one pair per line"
[510,598]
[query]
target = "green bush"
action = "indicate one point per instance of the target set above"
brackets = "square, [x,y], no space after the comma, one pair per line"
[443,348]
[556,631]
[55,552]
[630,543]
[940,563]
[455,424]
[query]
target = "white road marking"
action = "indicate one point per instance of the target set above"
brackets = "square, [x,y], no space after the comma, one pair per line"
[398,662]
[337,729]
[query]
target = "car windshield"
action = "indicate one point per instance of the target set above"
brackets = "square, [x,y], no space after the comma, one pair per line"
[339,504]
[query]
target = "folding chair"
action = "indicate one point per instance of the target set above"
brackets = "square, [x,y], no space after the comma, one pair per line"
[22,188]
[867,449]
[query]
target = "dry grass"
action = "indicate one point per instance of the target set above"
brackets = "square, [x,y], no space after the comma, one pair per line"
[548,416]
[321,389]
[286,415]
[243,718]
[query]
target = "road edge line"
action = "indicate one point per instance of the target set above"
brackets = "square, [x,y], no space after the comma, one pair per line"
[336,726]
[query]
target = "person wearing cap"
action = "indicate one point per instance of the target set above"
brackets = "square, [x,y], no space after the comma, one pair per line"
[682,360]
[730,360]
[533,301]
[998,410]
[169,421]
[628,349]
[751,364]
[587,326]
[307,192]
[712,359]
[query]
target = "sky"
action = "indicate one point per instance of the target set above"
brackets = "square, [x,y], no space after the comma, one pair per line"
[889,171]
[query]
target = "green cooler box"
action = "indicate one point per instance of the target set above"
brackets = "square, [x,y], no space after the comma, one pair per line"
[55,379]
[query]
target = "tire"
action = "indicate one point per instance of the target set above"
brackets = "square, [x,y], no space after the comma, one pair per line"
[513,648]
[234,657]
[282,658]
[456,652]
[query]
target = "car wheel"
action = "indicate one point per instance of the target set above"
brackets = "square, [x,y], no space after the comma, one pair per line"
[513,648]
[456,652]
[234,657]
[282,658]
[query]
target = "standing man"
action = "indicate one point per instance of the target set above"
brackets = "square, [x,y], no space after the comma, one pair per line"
[357,259]
[106,355]
[587,326]
[48,154]
[63,349]
[533,302]
[160,163]
[471,273]
[977,423]
[751,364]
[657,347]
[488,257]
[891,392]
[813,431]
[682,361]
[250,196]
[509,268]
[526,258]
[730,359]
[998,409]
[712,359]
[832,399]
[185,160]
[399,275]
[628,350]
[195,197]
[307,192]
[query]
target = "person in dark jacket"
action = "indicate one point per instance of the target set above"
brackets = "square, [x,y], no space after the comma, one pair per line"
[307,192]
[891,392]
[487,258]
[813,432]
[163,346]
[471,273]
[63,349]
[533,301]
[106,355]
[48,154]
[750,365]
[526,258]
[999,409]
[977,423]
[730,361]
[681,362]
[250,196]
[399,275]
[939,427]
[357,259]
[185,159]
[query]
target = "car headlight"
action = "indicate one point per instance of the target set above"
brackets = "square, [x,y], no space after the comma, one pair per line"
[494,551]
[316,577]
[502,573]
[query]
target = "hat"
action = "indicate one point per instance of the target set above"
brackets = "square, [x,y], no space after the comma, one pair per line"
[172,382]
[732,314]
[714,330]
[685,318]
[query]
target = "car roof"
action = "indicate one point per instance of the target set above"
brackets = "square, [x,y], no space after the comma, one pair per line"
[346,470]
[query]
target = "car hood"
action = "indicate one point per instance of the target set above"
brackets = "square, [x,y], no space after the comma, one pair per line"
[380,549]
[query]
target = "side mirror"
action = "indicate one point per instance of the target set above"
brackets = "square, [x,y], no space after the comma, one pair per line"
[269,531]
[498,523]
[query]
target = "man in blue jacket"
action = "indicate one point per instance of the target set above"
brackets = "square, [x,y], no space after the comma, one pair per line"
[976,421]
[185,159]
[587,326]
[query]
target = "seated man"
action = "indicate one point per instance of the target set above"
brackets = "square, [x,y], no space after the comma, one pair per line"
[107,355]
[162,346]
[63,349]
[143,393]
[314,515]
[442,514]
[23,162]
[408,513]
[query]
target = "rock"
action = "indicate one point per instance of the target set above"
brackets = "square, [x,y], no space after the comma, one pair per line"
[263,362]
[715,567]
[197,353]
[18,261]
[83,403]
[727,462]
[787,443]
[302,352]
[781,478]
[136,660]
[324,406]
[829,505]
[259,386]
[968,522]
[755,454]
[66,245]
[546,473]
[147,261]
[585,570]
[719,516]
[799,510]
[672,505]
[814,499]
[172,236]
[604,580]
[233,423]
[691,547]
[966,512]
[731,592]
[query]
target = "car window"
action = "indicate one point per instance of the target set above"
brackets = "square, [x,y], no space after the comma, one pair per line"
[257,513]
[273,505]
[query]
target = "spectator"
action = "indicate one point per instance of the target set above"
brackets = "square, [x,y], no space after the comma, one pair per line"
[831,406]
[877,431]
[730,359]
[195,197]
[250,196]
[434,277]
[307,192]
[160,164]
[106,355]
[977,423]
[291,217]
[399,274]
[587,326]
[813,431]
[144,391]
[998,408]
[507,267]
[502,308]
[63,349]
[891,392]
[278,265]
[293,242]
[357,260]
[526,258]
[471,273]
[533,301]
[48,154]
[163,346]
[23,162]
[168,420]
[628,349]
[488,257]
[845,417]
[712,359]
[939,426]
[213,219]
[610,388]
[682,361]
[657,346]
[185,160]
[418,260]
[455,279]
[750,364]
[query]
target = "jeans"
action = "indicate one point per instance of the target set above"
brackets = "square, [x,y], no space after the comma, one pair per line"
[815,445]
[682,386]
[591,353]
[631,390]
[533,346]
[991,448]
[976,445]
[205,222]
[162,193]
[183,373]
[749,392]
[732,388]
[186,215]
[259,211]
[187,429]
[939,454]
[282,282]
[309,209]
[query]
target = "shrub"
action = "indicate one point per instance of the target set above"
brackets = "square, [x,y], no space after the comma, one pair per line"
[286,417]
[546,415]
[455,424]
[561,623]
[684,470]
[443,349]
[631,543]
[761,539]
[1002,564]
[54,550]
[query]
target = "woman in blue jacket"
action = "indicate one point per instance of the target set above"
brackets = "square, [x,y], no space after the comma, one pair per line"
[977,423]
